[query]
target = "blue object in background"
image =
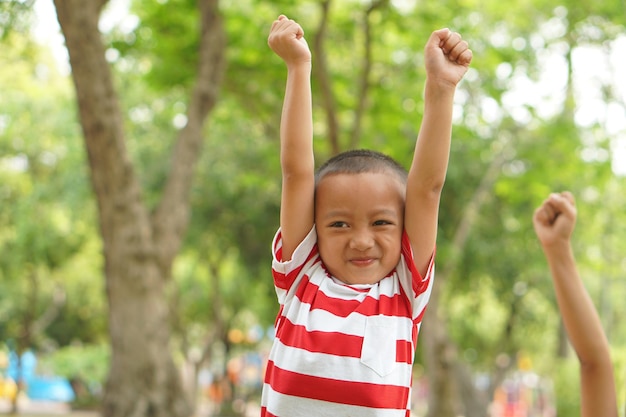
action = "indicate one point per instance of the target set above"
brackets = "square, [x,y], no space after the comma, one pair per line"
[42,388]
[27,365]
[50,389]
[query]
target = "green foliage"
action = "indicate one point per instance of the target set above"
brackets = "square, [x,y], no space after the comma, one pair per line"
[15,16]
[567,387]
[619,362]
[46,221]
[88,363]
[235,212]
[165,44]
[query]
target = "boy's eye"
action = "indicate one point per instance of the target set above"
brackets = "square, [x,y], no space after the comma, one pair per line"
[381,223]
[338,224]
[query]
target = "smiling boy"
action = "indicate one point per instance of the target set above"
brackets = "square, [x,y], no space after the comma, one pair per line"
[354,256]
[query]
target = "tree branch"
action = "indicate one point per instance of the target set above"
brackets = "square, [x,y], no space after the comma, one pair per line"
[366,69]
[52,311]
[320,68]
[171,217]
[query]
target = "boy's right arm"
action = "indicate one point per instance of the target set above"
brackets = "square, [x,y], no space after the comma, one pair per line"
[286,39]
[554,223]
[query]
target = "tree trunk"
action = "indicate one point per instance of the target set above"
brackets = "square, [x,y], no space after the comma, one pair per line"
[439,355]
[138,247]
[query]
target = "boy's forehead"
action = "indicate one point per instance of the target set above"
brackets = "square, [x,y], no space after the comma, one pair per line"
[365,183]
[379,175]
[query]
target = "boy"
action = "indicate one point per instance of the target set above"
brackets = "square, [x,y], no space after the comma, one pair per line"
[554,223]
[354,257]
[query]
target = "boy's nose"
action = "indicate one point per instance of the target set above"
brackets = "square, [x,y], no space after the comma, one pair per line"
[361,240]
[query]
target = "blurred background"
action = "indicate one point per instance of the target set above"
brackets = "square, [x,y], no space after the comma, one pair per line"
[136,221]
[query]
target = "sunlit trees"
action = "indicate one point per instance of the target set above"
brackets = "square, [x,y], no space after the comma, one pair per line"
[139,244]
[530,118]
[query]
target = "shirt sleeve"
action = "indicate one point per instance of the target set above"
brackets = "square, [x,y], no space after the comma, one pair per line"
[412,281]
[287,274]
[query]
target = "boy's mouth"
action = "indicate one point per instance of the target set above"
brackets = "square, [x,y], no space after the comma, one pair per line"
[362,262]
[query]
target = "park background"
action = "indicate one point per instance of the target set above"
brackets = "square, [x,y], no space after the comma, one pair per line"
[139,191]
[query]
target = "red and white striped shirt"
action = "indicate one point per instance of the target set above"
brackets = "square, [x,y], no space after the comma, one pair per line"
[342,350]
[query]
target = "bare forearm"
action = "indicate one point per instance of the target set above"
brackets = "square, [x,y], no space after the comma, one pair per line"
[583,326]
[297,162]
[428,172]
[579,314]
[432,150]
[296,128]
[554,222]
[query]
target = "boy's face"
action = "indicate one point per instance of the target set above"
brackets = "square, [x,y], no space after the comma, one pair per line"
[359,221]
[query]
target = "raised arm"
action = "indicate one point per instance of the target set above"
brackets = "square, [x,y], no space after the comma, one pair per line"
[554,223]
[286,39]
[447,58]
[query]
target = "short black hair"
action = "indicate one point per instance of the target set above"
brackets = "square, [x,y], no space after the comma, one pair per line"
[359,161]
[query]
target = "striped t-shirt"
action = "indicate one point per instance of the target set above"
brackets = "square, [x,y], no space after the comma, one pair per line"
[342,350]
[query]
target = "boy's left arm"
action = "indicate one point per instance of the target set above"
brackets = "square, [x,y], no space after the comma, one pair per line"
[447,58]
